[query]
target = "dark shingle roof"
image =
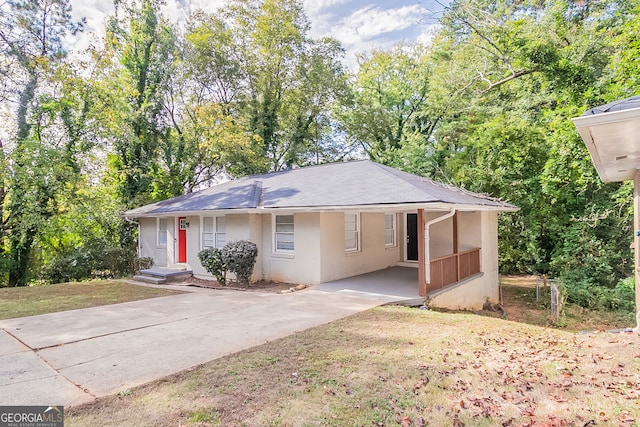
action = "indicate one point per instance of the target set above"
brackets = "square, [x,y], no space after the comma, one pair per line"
[620,105]
[358,183]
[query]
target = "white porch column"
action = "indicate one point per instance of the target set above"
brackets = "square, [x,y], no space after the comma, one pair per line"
[423,255]
[172,237]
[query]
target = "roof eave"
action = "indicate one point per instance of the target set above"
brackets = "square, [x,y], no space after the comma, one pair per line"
[585,124]
[434,206]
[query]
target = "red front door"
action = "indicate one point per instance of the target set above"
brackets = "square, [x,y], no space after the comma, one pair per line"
[182,239]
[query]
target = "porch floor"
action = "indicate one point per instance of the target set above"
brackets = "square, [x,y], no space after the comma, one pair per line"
[394,284]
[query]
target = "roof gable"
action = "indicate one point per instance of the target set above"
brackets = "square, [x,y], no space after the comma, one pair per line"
[348,184]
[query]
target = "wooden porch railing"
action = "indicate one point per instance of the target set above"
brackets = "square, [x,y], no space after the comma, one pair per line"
[450,269]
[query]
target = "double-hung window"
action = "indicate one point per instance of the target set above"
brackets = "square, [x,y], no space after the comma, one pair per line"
[390,229]
[162,231]
[283,233]
[351,232]
[214,232]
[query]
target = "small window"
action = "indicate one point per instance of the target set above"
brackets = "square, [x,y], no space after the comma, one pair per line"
[221,231]
[284,233]
[162,232]
[213,232]
[351,232]
[390,229]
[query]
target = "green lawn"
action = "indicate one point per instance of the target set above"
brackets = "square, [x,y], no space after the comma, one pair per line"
[32,300]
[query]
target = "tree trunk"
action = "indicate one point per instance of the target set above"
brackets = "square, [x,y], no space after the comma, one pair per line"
[20,254]
[26,97]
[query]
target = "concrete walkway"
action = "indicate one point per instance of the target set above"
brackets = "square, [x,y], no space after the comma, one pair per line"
[72,357]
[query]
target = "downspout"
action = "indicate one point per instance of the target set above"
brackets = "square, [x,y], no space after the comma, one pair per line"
[126,218]
[427,257]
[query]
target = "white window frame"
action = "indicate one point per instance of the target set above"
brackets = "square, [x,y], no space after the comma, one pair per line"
[277,233]
[159,242]
[394,230]
[217,236]
[357,247]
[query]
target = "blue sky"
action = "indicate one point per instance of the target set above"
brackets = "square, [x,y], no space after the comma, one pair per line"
[359,25]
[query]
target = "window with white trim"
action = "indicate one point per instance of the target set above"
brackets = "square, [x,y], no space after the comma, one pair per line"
[351,232]
[214,232]
[390,232]
[283,235]
[162,231]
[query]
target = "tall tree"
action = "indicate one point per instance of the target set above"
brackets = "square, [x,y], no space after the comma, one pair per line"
[511,76]
[390,118]
[143,43]
[258,63]
[31,51]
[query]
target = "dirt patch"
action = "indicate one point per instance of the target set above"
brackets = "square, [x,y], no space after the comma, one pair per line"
[259,286]
[522,304]
[523,281]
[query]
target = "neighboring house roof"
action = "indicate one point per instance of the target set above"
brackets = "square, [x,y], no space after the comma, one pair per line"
[348,184]
[620,105]
[611,133]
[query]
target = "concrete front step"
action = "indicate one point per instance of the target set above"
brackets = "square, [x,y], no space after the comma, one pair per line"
[166,274]
[150,279]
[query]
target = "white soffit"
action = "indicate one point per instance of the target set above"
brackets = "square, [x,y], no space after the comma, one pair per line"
[613,140]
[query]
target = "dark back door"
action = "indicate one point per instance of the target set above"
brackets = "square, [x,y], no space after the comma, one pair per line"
[412,237]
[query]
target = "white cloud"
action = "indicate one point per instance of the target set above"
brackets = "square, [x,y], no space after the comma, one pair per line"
[95,12]
[428,34]
[369,27]
[370,22]
[314,6]
[179,10]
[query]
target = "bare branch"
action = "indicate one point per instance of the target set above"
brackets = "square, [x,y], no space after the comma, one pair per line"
[513,76]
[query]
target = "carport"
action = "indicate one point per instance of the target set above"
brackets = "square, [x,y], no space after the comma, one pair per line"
[394,284]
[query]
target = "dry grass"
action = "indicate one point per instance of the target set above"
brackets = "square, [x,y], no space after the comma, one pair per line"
[395,366]
[29,301]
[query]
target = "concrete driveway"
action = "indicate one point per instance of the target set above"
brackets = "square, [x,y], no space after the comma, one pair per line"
[73,357]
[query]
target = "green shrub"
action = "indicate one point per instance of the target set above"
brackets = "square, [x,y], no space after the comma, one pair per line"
[113,262]
[240,257]
[75,266]
[142,263]
[588,294]
[89,263]
[625,294]
[213,260]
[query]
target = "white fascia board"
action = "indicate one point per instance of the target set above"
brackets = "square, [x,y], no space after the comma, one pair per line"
[606,118]
[354,208]
[393,207]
